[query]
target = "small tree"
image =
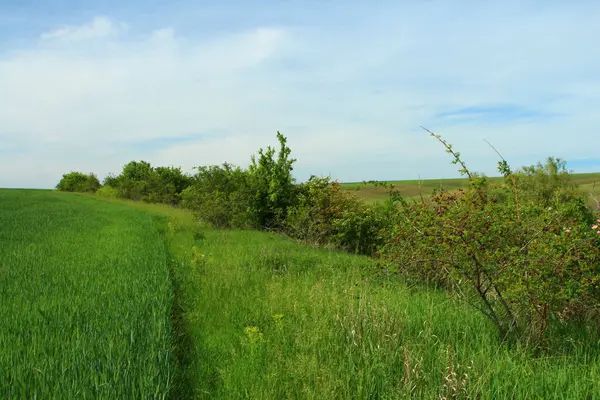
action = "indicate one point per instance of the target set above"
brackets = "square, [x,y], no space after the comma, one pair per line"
[548,183]
[273,184]
[78,182]
[220,195]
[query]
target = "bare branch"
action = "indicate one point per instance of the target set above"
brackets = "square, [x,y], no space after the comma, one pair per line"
[513,179]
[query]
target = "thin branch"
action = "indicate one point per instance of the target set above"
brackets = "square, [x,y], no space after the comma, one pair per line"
[449,148]
[457,159]
[513,179]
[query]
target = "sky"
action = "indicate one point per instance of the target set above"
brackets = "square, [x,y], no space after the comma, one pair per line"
[89,86]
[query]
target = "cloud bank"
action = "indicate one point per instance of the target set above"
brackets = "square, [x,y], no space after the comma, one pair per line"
[350,93]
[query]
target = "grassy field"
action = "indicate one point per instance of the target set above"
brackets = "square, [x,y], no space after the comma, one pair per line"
[255,316]
[85,300]
[264,317]
[413,188]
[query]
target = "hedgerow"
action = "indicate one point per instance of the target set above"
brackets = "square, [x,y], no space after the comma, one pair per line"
[525,253]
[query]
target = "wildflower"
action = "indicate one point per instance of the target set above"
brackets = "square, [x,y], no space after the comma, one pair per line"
[595,227]
[253,334]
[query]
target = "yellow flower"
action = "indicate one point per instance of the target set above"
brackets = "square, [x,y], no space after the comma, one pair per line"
[253,334]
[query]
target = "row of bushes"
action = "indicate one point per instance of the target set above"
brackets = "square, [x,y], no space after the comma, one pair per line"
[525,252]
[137,181]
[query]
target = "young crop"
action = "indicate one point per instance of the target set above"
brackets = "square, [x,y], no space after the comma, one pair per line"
[85,300]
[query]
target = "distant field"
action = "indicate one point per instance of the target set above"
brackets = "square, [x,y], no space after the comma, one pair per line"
[413,188]
[85,299]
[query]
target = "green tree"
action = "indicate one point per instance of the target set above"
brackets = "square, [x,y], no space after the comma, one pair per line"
[273,184]
[547,183]
[220,195]
[78,182]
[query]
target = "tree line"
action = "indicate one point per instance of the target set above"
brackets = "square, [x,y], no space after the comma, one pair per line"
[525,252]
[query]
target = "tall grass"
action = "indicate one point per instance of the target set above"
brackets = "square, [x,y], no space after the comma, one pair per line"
[85,300]
[270,319]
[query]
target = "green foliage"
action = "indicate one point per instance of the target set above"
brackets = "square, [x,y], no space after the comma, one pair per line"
[111,180]
[269,318]
[319,203]
[85,300]
[166,184]
[78,182]
[107,192]
[228,196]
[547,184]
[220,196]
[326,214]
[272,184]
[518,248]
[139,180]
[524,265]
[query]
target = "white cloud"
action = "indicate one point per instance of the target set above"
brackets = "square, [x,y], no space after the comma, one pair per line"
[350,98]
[99,27]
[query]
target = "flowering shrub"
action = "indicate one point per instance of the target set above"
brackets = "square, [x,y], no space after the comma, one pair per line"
[523,264]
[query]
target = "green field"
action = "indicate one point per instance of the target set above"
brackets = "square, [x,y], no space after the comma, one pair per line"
[414,188]
[85,300]
[90,310]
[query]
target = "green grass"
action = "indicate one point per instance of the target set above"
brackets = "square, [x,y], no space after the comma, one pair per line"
[268,318]
[414,188]
[254,315]
[85,299]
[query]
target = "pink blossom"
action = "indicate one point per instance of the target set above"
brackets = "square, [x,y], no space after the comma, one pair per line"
[595,227]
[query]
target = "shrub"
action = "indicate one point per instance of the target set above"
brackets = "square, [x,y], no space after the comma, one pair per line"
[318,203]
[78,182]
[547,184]
[139,180]
[326,214]
[522,264]
[219,195]
[272,185]
[107,192]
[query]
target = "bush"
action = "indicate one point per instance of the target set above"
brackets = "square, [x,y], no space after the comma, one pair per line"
[522,264]
[139,180]
[220,196]
[107,192]
[272,185]
[547,184]
[78,182]
[318,203]
[325,214]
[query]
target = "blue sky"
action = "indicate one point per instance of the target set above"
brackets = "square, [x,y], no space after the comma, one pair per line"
[92,86]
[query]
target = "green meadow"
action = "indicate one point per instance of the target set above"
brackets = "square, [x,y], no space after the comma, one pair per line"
[115,299]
